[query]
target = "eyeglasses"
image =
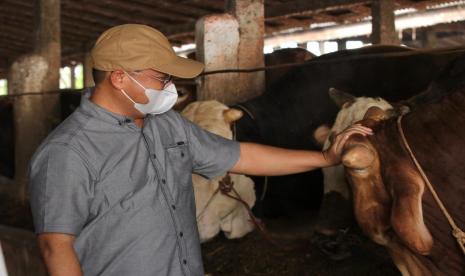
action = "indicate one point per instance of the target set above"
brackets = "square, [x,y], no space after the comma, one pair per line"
[164,80]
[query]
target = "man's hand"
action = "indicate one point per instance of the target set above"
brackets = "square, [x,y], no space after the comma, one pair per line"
[333,154]
[59,255]
[258,159]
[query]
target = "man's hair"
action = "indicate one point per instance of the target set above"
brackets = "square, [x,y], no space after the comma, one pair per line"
[98,76]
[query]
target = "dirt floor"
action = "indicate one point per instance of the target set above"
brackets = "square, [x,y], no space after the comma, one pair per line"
[253,255]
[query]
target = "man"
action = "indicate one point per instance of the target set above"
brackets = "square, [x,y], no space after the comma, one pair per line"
[111,190]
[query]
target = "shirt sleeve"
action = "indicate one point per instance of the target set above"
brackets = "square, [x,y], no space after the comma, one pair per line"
[60,190]
[213,155]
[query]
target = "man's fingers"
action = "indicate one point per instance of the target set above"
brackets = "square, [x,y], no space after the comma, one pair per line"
[342,138]
[360,128]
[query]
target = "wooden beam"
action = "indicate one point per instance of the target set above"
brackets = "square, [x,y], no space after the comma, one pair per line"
[213,6]
[109,13]
[148,10]
[299,7]
[280,11]
[184,8]
[16,25]
[178,30]
[14,46]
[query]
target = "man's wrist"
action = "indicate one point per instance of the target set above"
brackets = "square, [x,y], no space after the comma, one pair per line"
[328,160]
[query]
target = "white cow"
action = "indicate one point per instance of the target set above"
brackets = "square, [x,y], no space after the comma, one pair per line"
[216,211]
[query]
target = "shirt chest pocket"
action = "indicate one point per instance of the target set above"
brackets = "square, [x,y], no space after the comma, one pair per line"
[179,164]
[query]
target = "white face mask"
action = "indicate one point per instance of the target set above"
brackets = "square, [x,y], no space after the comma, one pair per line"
[160,101]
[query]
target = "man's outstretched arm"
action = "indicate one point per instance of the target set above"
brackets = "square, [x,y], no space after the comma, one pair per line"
[256,159]
[59,255]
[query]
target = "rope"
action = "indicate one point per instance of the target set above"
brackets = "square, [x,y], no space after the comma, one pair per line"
[279,66]
[226,186]
[458,233]
[234,129]
[208,203]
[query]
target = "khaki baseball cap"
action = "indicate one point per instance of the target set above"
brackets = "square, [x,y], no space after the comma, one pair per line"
[132,47]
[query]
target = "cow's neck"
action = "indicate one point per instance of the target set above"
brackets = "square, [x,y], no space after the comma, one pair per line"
[436,134]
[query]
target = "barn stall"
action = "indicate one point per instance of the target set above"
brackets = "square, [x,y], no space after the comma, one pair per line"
[299,229]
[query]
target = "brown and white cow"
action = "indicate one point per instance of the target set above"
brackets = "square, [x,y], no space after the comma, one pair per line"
[215,211]
[335,212]
[392,205]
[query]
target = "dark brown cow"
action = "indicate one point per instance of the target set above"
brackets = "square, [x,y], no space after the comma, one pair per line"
[283,56]
[391,202]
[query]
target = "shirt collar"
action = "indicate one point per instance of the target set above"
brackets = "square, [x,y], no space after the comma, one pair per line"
[94,110]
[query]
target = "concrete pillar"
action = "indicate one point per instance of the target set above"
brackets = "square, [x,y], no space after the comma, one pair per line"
[218,51]
[36,115]
[251,17]
[48,39]
[87,67]
[242,47]
[383,22]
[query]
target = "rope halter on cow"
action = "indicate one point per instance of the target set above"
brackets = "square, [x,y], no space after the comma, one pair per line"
[458,233]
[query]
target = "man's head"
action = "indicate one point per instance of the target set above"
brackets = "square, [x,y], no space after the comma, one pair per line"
[132,57]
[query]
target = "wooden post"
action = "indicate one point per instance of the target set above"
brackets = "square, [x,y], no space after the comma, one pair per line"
[341,44]
[35,115]
[242,47]
[383,22]
[72,71]
[430,38]
[87,68]
[321,46]
[302,45]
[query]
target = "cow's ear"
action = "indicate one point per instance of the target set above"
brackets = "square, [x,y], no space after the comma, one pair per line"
[341,98]
[321,134]
[375,113]
[182,97]
[232,115]
[398,110]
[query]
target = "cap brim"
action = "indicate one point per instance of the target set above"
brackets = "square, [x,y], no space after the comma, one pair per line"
[182,68]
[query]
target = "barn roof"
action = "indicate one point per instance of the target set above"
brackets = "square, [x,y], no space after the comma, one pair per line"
[83,20]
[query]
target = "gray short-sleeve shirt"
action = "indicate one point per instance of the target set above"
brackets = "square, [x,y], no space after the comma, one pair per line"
[125,192]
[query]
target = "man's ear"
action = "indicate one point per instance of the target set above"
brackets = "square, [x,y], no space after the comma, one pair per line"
[118,79]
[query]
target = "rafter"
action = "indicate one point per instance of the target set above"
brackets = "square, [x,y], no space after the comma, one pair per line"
[299,7]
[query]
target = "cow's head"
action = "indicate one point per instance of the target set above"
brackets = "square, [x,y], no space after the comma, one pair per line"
[352,109]
[215,211]
[213,116]
[386,196]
